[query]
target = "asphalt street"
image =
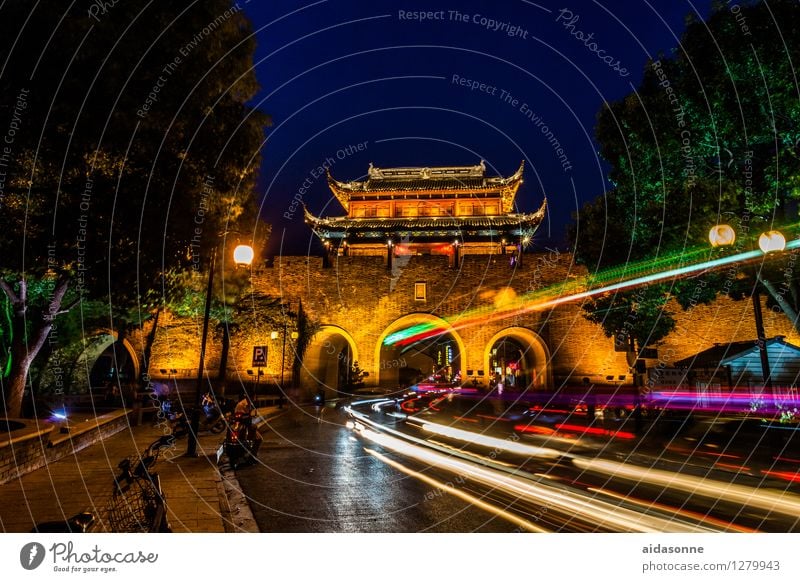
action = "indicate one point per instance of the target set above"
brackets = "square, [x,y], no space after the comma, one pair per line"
[315,476]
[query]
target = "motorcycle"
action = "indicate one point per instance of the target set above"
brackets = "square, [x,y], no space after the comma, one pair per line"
[242,441]
[212,417]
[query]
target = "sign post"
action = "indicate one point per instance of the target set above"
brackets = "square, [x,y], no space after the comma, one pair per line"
[259,361]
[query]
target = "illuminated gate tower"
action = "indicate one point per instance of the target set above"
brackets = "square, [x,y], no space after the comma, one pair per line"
[453,211]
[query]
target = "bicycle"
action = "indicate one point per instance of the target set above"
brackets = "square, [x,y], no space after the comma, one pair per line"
[136,505]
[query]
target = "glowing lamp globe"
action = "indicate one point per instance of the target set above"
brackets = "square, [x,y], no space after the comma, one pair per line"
[771,241]
[243,255]
[722,235]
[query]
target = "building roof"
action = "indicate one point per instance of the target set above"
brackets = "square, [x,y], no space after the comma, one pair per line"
[454,180]
[724,354]
[324,227]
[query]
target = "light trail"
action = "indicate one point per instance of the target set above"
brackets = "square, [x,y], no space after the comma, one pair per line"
[771,501]
[784,503]
[452,490]
[569,292]
[573,503]
[725,525]
[491,442]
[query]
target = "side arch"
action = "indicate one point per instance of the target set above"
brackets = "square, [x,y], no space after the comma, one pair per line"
[97,358]
[328,359]
[535,356]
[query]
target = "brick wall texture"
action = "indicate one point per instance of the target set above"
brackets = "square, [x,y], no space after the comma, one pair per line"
[358,300]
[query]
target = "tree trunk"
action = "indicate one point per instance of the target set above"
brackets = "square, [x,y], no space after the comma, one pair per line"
[785,305]
[150,340]
[121,358]
[22,356]
[26,346]
[44,356]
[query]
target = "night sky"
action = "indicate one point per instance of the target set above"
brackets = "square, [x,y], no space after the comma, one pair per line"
[338,73]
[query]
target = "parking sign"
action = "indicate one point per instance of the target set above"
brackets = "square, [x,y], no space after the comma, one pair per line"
[259,356]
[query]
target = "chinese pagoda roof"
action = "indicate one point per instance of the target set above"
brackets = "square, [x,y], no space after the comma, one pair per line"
[324,227]
[454,180]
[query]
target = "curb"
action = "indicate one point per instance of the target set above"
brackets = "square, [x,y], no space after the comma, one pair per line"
[237,515]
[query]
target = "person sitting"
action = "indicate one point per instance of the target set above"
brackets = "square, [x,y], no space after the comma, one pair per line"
[207,403]
[243,413]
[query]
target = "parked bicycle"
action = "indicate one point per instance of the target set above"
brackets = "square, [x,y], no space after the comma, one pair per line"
[136,504]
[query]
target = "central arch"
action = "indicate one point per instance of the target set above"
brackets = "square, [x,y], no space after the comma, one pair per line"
[443,353]
[519,354]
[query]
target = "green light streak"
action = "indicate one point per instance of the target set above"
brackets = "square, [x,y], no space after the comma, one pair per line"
[607,281]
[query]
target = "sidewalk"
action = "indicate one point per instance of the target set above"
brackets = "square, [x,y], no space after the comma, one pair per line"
[200,496]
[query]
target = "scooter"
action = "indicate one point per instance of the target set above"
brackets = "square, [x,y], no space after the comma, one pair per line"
[212,418]
[241,442]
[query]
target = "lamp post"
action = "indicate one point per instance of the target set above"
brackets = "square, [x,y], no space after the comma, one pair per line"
[274,335]
[242,255]
[768,242]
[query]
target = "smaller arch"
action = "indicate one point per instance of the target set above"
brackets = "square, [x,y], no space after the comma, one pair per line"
[96,347]
[535,351]
[328,358]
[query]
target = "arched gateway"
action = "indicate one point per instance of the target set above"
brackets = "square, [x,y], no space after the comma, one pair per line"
[416,346]
[328,360]
[519,358]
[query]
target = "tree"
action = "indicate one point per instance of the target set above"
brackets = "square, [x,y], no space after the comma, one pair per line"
[711,135]
[133,146]
[356,377]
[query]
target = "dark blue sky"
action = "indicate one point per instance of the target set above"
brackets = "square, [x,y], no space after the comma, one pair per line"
[336,73]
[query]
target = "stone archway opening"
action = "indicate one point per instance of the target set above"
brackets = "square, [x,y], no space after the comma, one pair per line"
[328,361]
[106,366]
[518,359]
[418,347]
[113,365]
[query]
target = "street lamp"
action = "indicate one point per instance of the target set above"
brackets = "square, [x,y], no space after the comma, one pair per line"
[721,235]
[768,242]
[771,241]
[242,256]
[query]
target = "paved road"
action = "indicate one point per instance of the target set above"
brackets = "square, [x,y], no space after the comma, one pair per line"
[316,477]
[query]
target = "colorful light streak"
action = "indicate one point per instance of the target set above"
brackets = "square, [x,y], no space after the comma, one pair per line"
[575,503]
[725,525]
[450,489]
[780,502]
[593,431]
[584,288]
[491,442]
[724,401]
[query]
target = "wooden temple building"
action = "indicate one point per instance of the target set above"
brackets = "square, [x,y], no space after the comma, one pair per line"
[453,211]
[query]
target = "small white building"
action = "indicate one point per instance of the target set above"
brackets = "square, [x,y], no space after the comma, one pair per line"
[737,365]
